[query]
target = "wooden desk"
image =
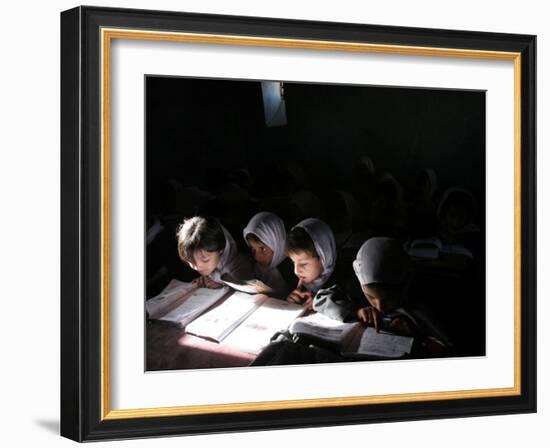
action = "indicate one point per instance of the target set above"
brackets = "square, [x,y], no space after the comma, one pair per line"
[170,348]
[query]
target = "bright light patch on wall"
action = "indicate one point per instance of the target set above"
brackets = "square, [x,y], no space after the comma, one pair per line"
[274,103]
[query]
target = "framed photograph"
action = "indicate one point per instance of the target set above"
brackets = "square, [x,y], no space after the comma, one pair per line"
[337,220]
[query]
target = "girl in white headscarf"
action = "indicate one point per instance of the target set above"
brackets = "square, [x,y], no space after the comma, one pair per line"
[265,235]
[382,268]
[208,248]
[312,248]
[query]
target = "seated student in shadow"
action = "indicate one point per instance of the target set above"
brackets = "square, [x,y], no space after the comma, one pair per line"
[387,210]
[421,210]
[265,235]
[364,176]
[208,248]
[311,246]
[456,215]
[382,268]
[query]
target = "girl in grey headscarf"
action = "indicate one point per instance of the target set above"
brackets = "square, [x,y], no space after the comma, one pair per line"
[382,268]
[265,235]
[312,248]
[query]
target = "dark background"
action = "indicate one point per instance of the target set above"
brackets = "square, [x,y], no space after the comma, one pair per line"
[209,151]
[201,128]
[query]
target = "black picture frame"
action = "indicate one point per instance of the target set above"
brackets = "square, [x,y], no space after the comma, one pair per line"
[85,413]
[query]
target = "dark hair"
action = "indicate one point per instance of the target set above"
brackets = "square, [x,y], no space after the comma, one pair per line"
[298,240]
[199,233]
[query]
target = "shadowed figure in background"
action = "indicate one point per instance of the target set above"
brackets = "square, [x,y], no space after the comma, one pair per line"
[363,188]
[456,215]
[422,221]
[234,205]
[387,210]
[342,214]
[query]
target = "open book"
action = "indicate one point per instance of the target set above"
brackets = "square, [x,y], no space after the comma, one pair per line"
[352,339]
[180,303]
[244,321]
[252,286]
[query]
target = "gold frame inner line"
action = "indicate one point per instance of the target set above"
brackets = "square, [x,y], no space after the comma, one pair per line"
[107,35]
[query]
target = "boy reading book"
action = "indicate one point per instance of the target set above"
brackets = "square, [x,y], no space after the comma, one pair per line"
[208,248]
[382,268]
[312,248]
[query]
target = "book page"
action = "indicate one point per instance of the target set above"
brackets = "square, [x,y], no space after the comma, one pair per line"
[322,327]
[255,332]
[217,323]
[194,305]
[165,301]
[383,344]
[253,286]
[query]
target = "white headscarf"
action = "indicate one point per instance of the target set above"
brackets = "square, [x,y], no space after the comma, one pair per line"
[381,260]
[270,229]
[325,246]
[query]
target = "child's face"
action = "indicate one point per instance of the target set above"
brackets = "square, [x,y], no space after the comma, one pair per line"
[384,300]
[306,267]
[261,253]
[205,262]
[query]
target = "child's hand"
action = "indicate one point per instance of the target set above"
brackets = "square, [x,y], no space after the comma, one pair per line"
[211,284]
[206,282]
[370,315]
[301,296]
[402,326]
[198,282]
[308,304]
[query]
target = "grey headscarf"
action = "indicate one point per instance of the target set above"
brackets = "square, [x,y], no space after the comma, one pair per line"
[270,229]
[381,260]
[325,246]
[231,261]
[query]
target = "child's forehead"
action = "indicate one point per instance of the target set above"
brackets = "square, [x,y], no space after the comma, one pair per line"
[300,256]
[203,253]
